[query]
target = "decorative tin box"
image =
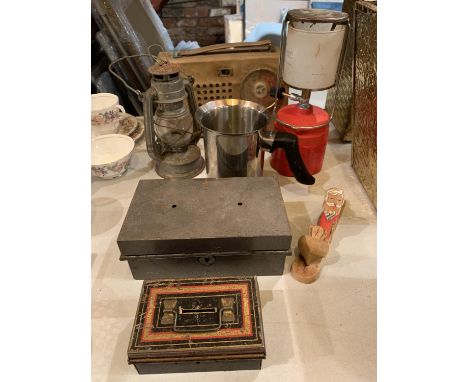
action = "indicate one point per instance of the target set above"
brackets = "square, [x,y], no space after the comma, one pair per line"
[205,228]
[189,325]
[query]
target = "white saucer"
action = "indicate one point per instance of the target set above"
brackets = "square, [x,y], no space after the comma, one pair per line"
[127,124]
[140,129]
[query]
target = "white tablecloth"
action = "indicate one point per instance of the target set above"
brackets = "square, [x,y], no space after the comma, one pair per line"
[325,331]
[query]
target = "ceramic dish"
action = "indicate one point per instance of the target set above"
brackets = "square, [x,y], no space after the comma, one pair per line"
[127,124]
[110,155]
[105,114]
[140,129]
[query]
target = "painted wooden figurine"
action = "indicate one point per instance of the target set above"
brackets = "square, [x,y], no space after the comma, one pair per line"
[314,246]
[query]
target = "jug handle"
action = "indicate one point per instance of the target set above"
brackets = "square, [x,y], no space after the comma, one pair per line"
[272,140]
[148,97]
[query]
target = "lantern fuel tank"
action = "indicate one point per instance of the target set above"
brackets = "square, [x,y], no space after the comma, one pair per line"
[310,125]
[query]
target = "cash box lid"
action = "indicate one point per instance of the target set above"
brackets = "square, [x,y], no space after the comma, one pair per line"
[208,319]
[205,215]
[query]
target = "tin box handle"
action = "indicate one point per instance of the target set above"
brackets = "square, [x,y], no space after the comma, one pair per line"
[194,328]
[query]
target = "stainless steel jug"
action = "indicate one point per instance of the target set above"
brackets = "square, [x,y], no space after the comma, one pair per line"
[235,140]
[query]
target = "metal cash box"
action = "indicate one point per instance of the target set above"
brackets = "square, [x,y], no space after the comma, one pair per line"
[205,228]
[189,325]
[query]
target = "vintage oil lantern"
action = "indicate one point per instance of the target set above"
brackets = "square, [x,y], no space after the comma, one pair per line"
[311,56]
[170,130]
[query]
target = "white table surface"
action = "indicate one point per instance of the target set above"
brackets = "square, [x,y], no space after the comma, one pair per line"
[325,331]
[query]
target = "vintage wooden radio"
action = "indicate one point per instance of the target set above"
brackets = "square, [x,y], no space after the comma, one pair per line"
[245,70]
[188,325]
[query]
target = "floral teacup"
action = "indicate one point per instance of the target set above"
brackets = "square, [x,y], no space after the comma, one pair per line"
[105,114]
[110,155]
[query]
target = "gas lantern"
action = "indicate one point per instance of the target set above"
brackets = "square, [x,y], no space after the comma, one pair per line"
[311,56]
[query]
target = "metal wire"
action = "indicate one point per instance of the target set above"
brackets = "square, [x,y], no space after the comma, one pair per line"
[162,48]
[155,58]
[140,95]
[341,65]
[136,91]
[279,73]
[273,104]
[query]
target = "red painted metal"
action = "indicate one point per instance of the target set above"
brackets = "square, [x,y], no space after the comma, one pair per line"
[311,128]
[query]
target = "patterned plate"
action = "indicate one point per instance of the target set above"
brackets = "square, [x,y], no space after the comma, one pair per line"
[127,124]
[140,129]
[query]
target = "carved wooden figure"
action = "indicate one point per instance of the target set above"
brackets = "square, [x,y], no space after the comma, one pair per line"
[314,246]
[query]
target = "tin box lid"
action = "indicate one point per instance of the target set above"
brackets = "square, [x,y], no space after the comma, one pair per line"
[198,319]
[186,216]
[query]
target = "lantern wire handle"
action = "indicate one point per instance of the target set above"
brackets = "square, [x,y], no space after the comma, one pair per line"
[152,45]
[279,73]
[341,66]
[136,91]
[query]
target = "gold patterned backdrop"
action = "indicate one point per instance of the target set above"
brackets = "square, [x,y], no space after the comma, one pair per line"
[340,97]
[364,149]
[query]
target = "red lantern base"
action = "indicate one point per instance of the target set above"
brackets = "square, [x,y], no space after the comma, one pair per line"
[311,128]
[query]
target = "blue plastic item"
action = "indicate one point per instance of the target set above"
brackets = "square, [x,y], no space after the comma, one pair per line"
[266,31]
[272,31]
[332,5]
